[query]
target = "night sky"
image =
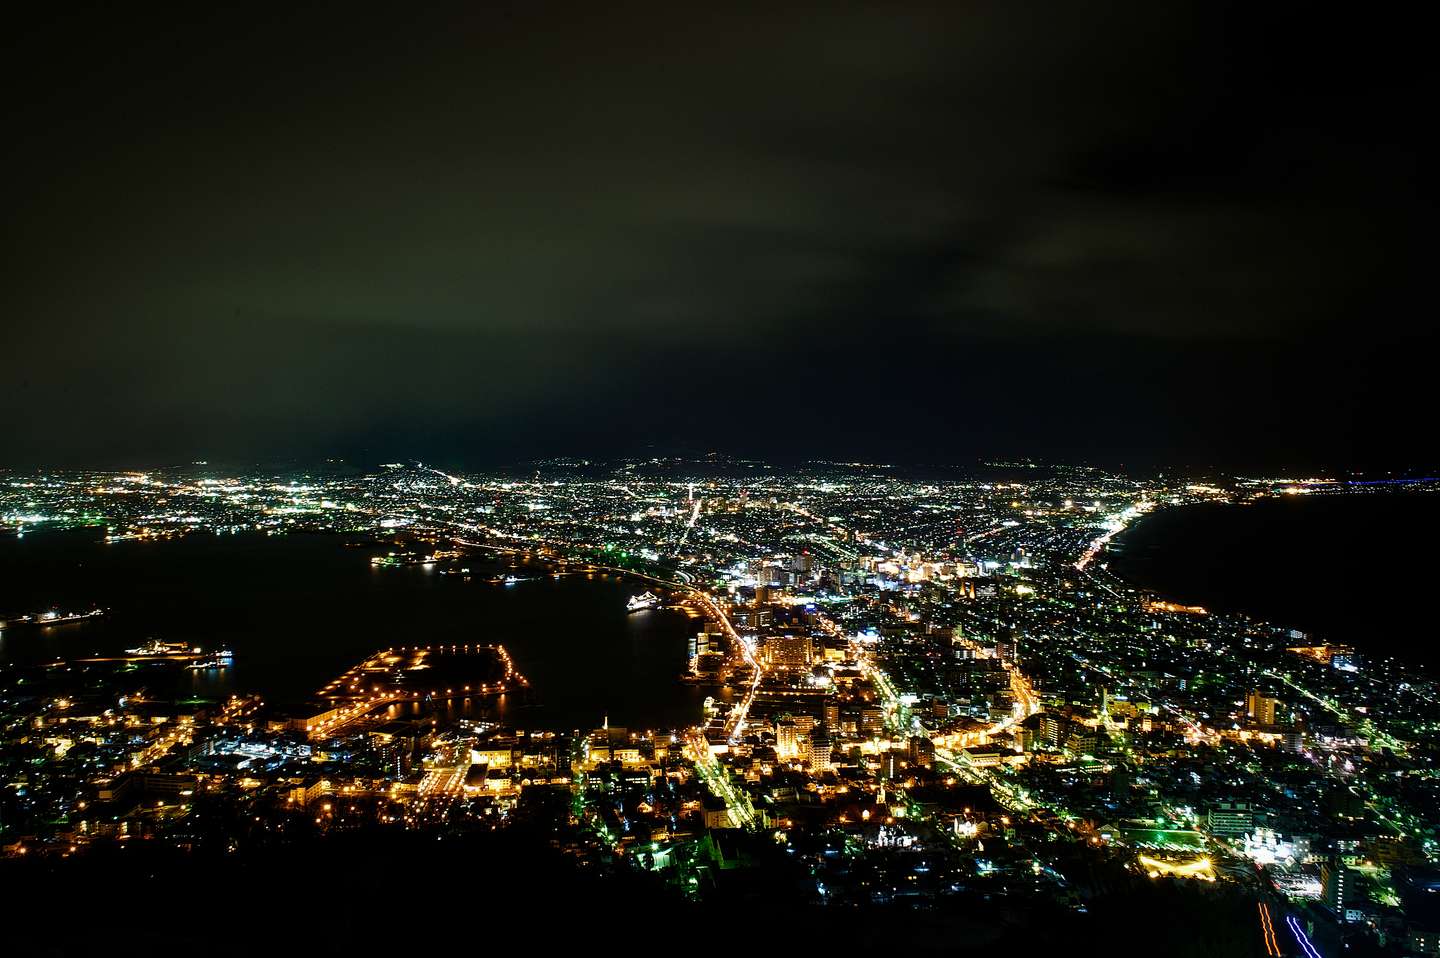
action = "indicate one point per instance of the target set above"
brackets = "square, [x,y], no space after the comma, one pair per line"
[1148,234]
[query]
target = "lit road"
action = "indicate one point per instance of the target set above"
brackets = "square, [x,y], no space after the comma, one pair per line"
[742,813]
[1027,703]
[694,517]
[438,792]
[735,721]
[1363,725]
[1197,730]
[957,761]
[439,782]
[1301,938]
[355,712]
[1114,526]
[1267,932]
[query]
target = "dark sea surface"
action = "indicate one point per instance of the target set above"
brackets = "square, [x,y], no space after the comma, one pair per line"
[1360,569]
[299,609]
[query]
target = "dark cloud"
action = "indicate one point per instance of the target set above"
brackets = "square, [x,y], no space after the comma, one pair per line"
[1117,231]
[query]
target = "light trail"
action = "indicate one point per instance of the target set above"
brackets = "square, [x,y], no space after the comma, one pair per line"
[1272,947]
[453,480]
[737,802]
[1364,725]
[1195,727]
[694,517]
[1300,936]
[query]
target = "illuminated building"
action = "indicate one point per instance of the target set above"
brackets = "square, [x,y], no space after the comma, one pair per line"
[789,651]
[1261,709]
[317,722]
[1201,868]
[716,813]
[982,757]
[753,618]
[306,792]
[1339,888]
[902,641]
[1230,819]
[1052,729]
[1082,741]
[820,748]
[921,750]
[610,744]
[495,757]
[1266,848]
[787,739]
[704,642]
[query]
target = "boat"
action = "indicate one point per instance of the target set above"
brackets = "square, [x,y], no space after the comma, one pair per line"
[645,600]
[222,659]
[51,617]
[156,647]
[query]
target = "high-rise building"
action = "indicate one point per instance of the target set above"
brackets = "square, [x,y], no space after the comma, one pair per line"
[1337,887]
[1230,819]
[1052,729]
[820,748]
[789,651]
[703,642]
[922,750]
[787,739]
[1261,709]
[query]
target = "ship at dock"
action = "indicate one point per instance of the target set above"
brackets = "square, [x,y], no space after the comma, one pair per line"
[51,617]
[645,600]
[221,659]
[194,657]
[156,647]
[508,579]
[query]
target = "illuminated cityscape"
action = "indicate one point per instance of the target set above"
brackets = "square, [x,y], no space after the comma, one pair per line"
[918,691]
[891,479]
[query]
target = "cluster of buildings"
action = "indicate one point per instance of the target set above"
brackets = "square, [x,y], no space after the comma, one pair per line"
[919,690]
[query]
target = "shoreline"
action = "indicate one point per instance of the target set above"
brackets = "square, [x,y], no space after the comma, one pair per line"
[1271,567]
[562,644]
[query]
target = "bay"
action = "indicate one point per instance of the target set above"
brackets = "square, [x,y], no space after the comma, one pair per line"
[299,609]
[1359,569]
